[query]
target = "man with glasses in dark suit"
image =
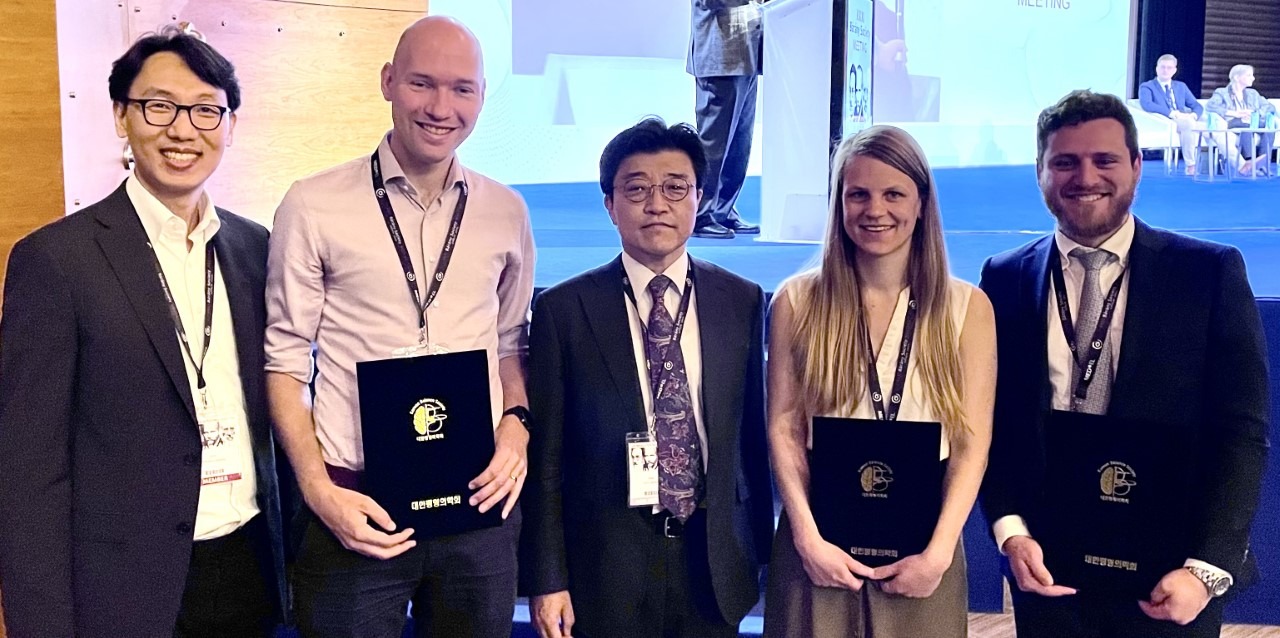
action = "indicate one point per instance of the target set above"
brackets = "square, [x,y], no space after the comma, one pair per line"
[138,491]
[661,352]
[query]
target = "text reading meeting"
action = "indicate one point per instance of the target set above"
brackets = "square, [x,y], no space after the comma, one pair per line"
[977,105]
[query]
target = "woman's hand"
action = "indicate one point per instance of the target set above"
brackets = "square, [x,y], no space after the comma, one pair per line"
[830,566]
[916,576]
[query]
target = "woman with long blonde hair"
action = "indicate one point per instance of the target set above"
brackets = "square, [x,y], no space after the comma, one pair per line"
[883,247]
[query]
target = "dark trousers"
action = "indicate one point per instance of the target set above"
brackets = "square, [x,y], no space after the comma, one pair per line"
[227,592]
[1264,142]
[726,120]
[1084,616]
[678,600]
[461,586]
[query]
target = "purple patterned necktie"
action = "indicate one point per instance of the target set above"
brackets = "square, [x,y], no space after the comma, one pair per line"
[679,456]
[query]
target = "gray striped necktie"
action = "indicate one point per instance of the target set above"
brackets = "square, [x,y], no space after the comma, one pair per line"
[1086,320]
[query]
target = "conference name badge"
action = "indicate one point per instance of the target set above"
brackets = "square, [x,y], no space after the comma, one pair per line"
[642,470]
[220,431]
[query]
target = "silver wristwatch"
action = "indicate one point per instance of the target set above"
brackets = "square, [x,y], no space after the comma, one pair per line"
[1216,583]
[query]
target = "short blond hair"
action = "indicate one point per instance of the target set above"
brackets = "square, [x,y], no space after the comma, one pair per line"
[1239,70]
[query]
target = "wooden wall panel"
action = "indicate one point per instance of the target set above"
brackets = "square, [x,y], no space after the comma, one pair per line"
[309,79]
[31,192]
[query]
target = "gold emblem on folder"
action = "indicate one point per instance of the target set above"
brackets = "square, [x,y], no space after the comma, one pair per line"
[428,419]
[875,478]
[1116,480]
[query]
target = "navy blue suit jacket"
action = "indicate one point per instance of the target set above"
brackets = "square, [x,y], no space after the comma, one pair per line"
[1193,356]
[1153,99]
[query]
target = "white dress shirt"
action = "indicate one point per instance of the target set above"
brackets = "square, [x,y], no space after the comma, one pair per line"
[915,405]
[1062,374]
[223,507]
[690,338]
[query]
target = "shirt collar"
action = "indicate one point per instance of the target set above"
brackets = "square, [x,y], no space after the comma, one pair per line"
[640,275]
[1117,244]
[156,218]
[392,173]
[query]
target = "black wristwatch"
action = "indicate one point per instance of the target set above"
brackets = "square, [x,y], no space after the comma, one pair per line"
[522,413]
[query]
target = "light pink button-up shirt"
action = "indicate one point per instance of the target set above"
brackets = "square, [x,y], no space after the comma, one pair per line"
[333,278]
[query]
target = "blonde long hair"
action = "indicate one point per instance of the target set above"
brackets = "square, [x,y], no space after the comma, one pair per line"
[829,349]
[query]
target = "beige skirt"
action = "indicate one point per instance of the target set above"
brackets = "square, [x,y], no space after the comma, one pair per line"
[796,608]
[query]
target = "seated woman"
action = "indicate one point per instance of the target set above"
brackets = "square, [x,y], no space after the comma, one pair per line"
[1236,103]
[830,326]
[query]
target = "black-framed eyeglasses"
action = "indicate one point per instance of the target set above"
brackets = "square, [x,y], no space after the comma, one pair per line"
[156,112]
[638,190]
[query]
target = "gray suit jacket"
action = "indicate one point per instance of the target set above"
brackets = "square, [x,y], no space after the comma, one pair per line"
[725,38]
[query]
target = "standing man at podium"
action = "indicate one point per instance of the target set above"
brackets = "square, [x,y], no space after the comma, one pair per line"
[725,45]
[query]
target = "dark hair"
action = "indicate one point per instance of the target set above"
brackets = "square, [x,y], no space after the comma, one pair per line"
[651,135]
[202,59]
[1081,106]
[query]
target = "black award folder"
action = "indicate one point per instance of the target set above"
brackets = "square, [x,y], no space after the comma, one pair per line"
[875,487]
[1116,507]
[428,430]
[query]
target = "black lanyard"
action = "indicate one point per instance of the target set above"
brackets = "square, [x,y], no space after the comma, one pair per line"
[406,264]
[666,372]
[889,411]
[177,318]
[1090,365]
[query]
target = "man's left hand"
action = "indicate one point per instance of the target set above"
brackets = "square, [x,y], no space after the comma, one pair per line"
[504,478]
[1179,597]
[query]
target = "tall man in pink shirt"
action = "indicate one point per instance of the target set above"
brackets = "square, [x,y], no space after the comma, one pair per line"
[334,281]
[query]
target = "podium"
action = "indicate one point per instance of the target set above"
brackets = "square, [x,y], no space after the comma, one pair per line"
[808,102]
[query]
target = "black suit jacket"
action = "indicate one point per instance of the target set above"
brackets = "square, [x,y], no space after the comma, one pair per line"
[585,396]
[99,447]
[1192,356]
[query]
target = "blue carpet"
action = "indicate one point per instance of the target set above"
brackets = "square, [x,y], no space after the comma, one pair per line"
[984,211]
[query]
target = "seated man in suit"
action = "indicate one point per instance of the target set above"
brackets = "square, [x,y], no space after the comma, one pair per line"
[137,476]
[1166,96]
[1183,347]
[1237,103]
[657,350]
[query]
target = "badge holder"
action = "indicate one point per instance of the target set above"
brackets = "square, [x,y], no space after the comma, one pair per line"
[642,470]
[424,348]
[219,443]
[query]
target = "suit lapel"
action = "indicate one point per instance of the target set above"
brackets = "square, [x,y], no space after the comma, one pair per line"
[1035,282]
[1141,303]
[241,298]
[124,243]
[719,353]
[603,303]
